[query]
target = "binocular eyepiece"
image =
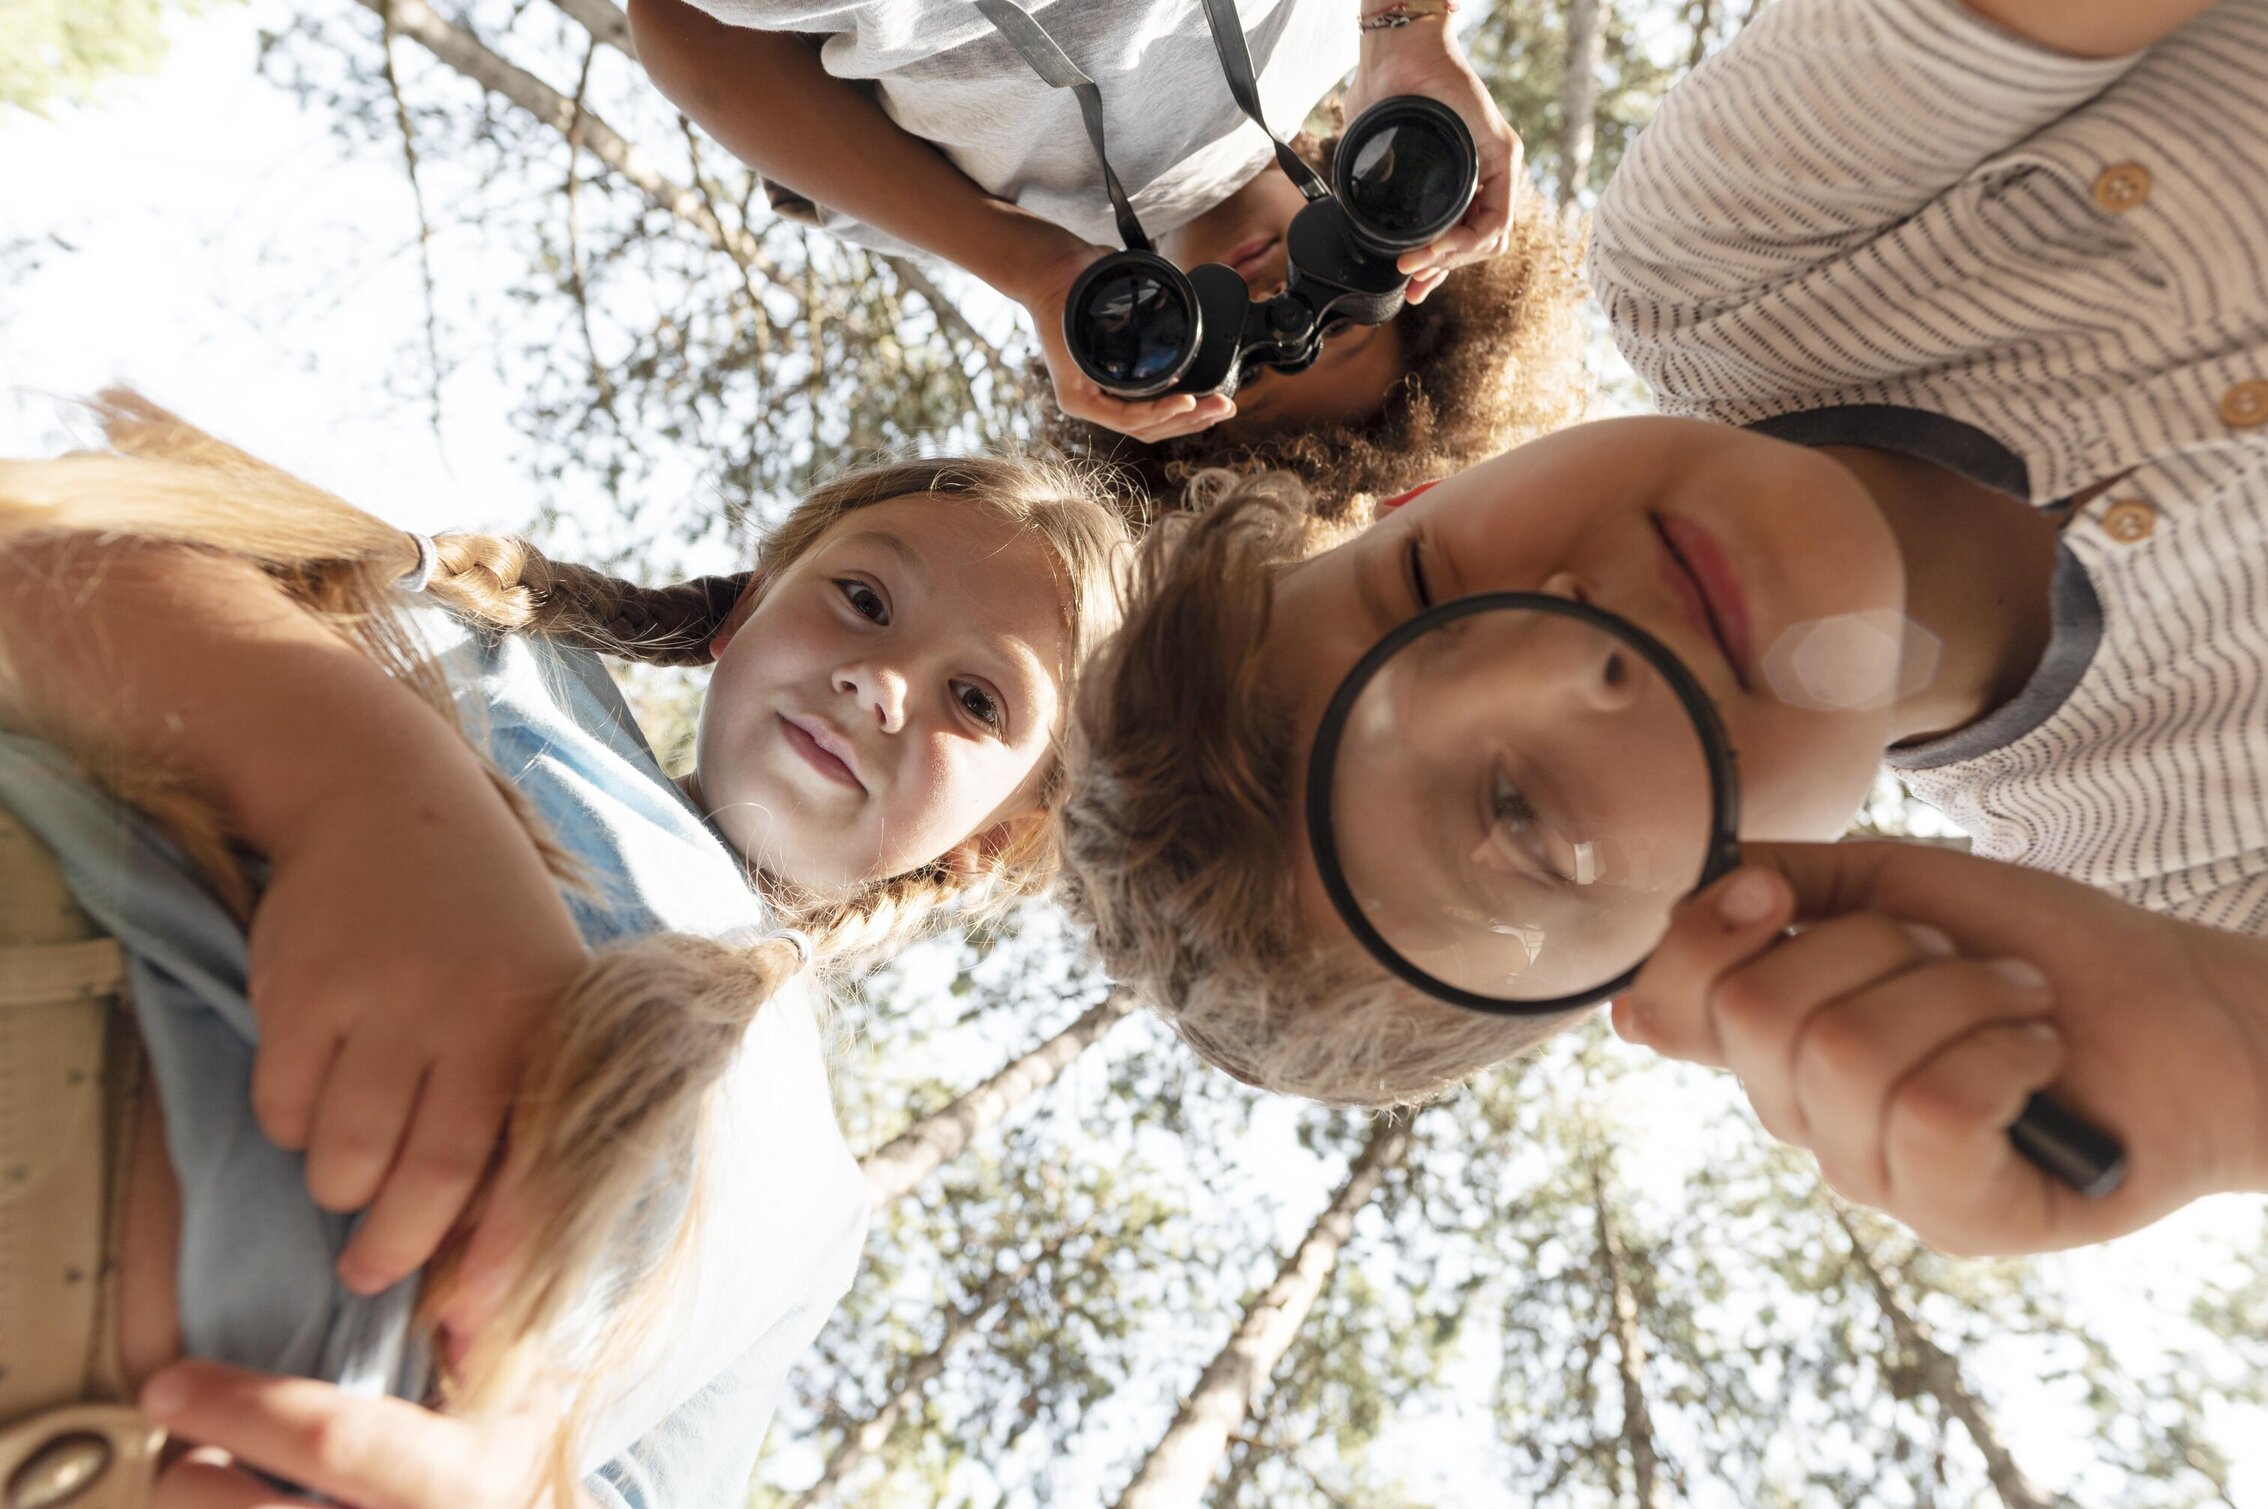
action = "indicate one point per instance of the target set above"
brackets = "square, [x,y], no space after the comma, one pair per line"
[1139,327]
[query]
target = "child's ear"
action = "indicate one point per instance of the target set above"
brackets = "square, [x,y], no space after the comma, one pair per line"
[742,606]
[976,855]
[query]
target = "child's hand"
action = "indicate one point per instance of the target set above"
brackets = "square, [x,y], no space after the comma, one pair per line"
[357,1452]
[1928,995]
[402,955]
[1147,420]
[1424,58]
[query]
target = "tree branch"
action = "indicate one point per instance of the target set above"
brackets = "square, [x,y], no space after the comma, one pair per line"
[417,198]
[468,55]
[604,20]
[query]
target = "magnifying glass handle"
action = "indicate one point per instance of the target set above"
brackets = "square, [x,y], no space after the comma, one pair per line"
[2070,1147]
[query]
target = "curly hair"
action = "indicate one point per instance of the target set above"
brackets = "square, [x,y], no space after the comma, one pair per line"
[1495,358]
[1176,834]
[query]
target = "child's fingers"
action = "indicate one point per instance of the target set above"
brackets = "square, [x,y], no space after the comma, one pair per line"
[1954,1176]
[361,1112]
[1203,414]
[1151,420]
[452,1139]
[1666,1007]
[1424,284]
[1854,1053]
[1490,218]
[372,1453]
[198,1482]
[485,1268]
[294,1059]
[1761,1009]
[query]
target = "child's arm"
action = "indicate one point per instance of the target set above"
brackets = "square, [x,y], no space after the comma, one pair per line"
[1929,994]
[766,96]
[2091,28]
[1823,124]
[409,936]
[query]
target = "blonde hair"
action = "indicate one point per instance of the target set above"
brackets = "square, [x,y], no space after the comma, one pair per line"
[616,1087]
[1177,835]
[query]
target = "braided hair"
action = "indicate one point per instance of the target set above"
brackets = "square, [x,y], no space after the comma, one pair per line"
[617,1084]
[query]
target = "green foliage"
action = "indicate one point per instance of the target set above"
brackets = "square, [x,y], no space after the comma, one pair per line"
[1573,1236]
[60,52]
[1520,48]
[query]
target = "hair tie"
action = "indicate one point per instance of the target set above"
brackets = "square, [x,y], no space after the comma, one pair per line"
[795,936]
[420,576]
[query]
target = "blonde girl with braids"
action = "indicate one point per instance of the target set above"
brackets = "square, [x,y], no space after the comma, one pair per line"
[386,860]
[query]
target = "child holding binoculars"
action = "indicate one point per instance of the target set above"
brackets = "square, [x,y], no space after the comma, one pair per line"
[910,125]
[1957,314]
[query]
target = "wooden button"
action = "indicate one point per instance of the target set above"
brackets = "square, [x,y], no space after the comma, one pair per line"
[2129,520]
[2245,405]
[2122,186]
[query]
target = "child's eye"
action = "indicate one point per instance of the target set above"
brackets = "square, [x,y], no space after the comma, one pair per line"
[1417,571]
[978,703]
[864,600]
[1518,830]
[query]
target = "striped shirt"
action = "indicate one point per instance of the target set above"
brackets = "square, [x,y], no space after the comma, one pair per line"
[1887,222]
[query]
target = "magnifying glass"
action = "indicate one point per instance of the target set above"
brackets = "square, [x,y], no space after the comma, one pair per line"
[1509,794]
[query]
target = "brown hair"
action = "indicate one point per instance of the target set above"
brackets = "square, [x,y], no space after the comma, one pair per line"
[1176,836]
[616,1088]
[1495,358]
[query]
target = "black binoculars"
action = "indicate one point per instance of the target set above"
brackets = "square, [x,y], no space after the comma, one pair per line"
[1139,327]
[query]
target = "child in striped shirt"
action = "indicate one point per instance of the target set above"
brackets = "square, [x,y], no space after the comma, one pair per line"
[1956,312]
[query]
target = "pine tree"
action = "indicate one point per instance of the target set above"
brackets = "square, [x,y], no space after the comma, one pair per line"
[896,1167]
[1176,1470]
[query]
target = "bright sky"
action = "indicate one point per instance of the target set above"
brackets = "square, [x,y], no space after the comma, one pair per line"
[201,236]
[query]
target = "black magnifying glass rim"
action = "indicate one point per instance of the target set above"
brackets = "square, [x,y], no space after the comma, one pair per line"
[1322,759]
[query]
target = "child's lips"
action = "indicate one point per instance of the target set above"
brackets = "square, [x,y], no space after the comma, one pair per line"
[1245,259]
[822,749]
[1695,567]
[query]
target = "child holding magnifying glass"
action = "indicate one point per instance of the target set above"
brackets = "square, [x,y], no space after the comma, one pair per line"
[1959,314]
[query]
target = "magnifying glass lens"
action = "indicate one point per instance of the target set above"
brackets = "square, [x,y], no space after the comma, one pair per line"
[1518,797]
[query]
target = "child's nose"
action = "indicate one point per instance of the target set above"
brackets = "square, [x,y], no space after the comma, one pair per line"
[1595,667]
[880,688]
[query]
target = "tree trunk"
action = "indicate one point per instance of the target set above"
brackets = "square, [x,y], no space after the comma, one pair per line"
[865,1438]
[1579,98]
[1652,1491]
[1941,1378]
[468,55]
[896,1167]
[1174,1474]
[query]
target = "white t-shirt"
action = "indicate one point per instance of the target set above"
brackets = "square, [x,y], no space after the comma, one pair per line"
[1176,138]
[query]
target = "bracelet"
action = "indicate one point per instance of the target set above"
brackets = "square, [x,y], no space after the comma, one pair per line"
[1400,13]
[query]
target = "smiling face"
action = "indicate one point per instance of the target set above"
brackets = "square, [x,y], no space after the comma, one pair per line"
[1715,541]
[892,698]
[1358,365]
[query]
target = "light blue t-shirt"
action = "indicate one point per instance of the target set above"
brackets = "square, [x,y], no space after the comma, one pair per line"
[783,1207]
